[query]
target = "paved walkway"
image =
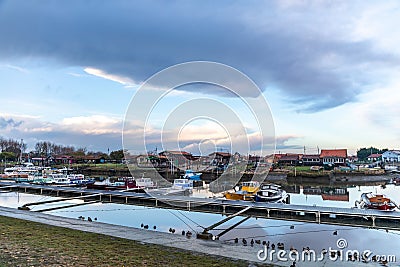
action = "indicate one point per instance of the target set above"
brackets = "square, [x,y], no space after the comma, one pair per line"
[218,248]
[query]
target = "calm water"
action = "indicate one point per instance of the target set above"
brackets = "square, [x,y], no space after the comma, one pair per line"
[292,234]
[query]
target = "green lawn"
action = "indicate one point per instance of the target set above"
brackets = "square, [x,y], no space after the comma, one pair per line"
[26,243]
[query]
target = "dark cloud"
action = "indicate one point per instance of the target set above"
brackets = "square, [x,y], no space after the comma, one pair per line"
[137,39]
[5,123]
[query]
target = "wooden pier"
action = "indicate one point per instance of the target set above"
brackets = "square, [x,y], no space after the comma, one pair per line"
[290,212]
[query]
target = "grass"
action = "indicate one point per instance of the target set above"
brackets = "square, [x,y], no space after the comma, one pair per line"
[25,243]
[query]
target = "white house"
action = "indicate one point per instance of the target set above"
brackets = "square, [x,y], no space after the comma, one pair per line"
[391,156]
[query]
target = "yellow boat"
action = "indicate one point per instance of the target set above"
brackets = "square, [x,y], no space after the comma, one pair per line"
[246,191]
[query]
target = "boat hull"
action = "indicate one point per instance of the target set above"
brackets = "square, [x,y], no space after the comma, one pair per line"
[238,196]
[378,202]
[258,198]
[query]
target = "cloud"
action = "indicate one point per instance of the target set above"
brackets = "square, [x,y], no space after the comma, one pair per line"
[300,49]
[115,78]
[94,132]
[9,123]
[17,68]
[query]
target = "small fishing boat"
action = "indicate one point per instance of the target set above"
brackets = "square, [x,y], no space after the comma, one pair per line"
[122,184]
[376,201]
[245,192]
[144,183]
[191,175]
[183,184]
[180,187]
[270,193]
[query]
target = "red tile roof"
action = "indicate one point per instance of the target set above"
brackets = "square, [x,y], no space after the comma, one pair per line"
[310,156]
[374,156]
[339,153]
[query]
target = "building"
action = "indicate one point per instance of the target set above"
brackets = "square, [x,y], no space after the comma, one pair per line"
[289,159]
[391,156]
[177,158]
[219,158]
[374,157]
[64,159]
[311,160]
[334,156]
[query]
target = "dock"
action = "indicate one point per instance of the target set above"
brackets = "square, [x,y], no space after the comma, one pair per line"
[277,211]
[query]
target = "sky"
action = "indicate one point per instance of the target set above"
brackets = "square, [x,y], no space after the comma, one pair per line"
[328,70]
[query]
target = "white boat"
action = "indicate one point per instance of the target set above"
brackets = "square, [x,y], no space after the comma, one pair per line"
[183,184]
[144,183]
[270,193]
[180,187]
[20,173]
[169,191]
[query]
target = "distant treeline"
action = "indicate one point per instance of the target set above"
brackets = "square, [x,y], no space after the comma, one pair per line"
[14,150]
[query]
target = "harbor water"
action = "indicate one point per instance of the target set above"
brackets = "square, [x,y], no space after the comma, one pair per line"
[296,235]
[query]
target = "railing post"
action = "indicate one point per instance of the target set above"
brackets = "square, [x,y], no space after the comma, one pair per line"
[318,217]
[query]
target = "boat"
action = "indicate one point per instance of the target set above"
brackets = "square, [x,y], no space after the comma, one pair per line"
[191,175]
[270,193]
[376,201]
[19,173]
[183,184]
[169,191]
[180,187]
[144,183]
[246,191]
[121,184]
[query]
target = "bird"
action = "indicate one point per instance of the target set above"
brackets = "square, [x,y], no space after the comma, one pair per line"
[173,231]
[170,230]
[236,240]
[89,219]
[183,232]
[95,218]
[273,246]
[154,227]
[335,233]
[146,226]
[293,264]
[188,234]
[292,227]
[252,242]
[264,243]
[258,241]
[141,225]
[244,242]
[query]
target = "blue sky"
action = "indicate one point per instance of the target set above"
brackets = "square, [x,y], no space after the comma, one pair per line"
[329,70]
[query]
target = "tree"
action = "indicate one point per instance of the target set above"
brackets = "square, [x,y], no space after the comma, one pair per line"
[9,156]
[363,153]
[117,155]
